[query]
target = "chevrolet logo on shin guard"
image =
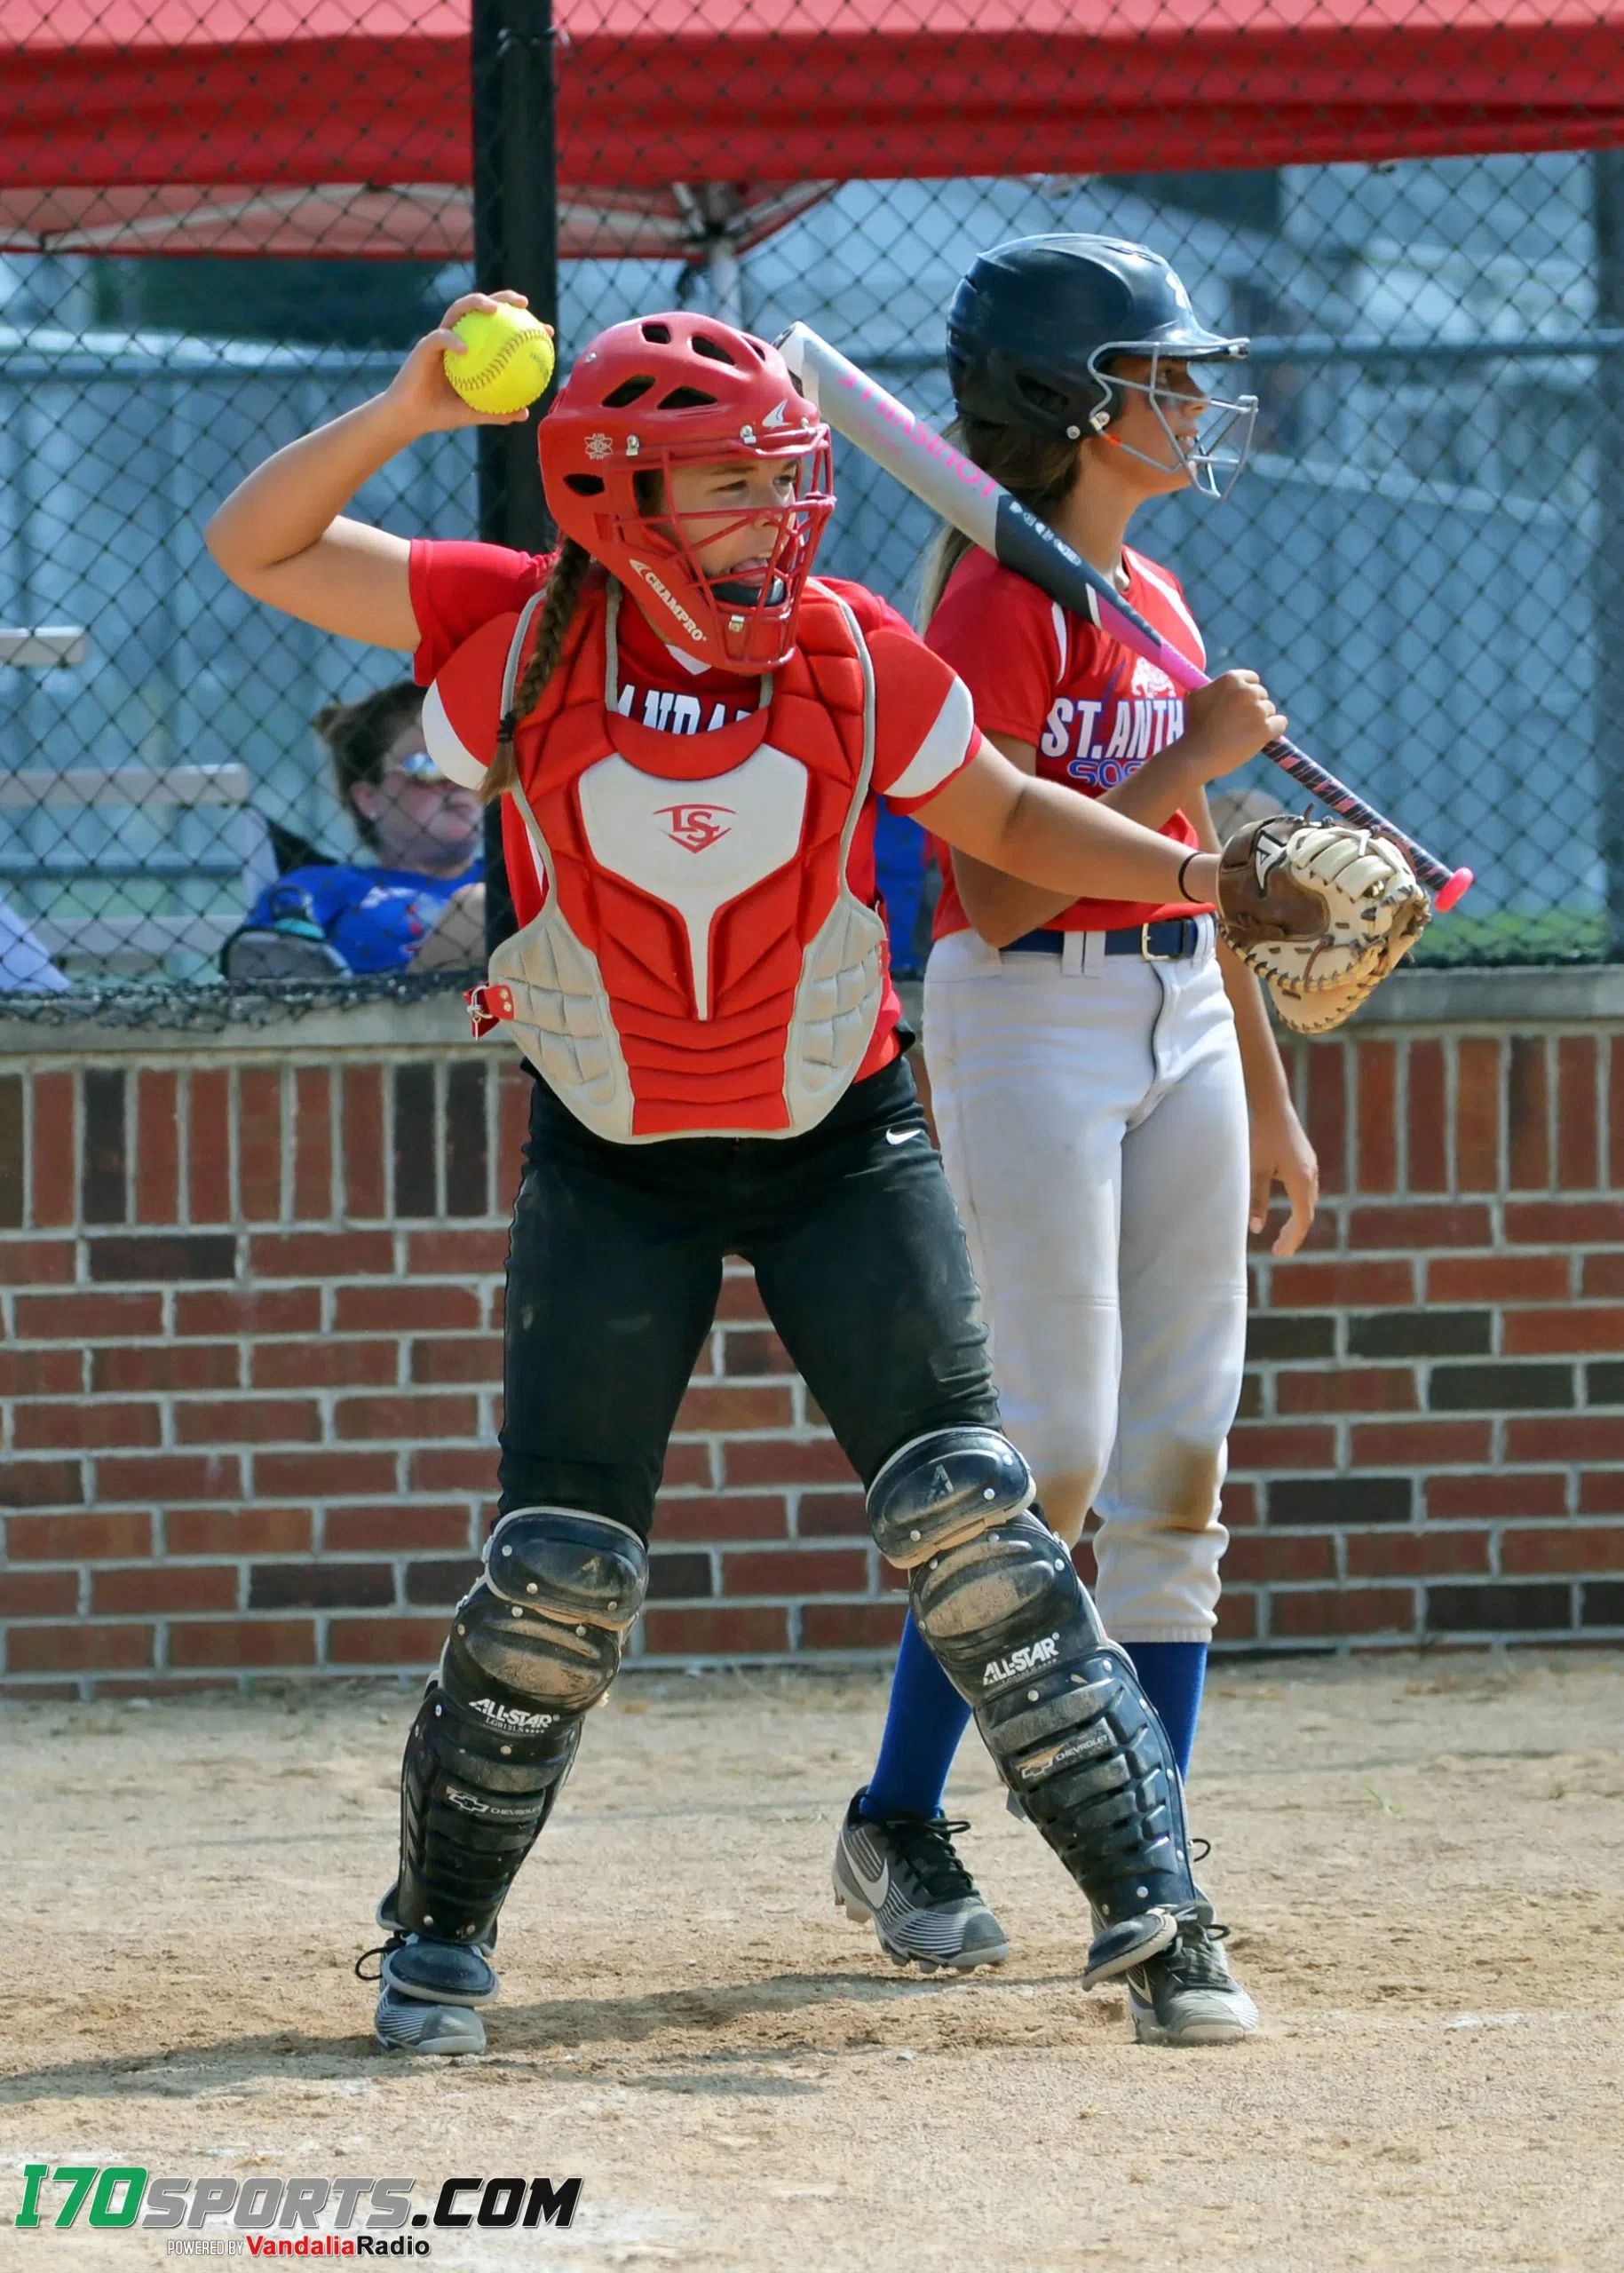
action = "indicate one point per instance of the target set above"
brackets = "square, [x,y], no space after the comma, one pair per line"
[481,1803]
[1091,1744]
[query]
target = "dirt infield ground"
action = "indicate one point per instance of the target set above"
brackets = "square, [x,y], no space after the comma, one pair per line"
[1424,1862]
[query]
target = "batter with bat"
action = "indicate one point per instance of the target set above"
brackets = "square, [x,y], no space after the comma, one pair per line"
[688,733]
[1111,1103]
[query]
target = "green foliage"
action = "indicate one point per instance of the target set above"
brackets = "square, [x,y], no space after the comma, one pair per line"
[1547,935]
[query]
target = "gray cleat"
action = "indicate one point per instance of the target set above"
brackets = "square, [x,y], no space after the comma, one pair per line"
[428,1990]
[1187,1994]
[901,1872]
[407,2025]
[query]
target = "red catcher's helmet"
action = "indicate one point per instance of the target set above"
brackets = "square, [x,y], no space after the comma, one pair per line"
[682,389]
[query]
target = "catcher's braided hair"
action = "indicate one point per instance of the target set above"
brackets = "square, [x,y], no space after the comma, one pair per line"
[557,610]
[1034,468]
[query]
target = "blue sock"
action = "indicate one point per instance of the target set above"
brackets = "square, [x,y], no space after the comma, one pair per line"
[923,1723]
[1172,1674]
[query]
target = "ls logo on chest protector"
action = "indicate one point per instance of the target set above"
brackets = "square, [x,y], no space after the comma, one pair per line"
[636,830]
[696,827]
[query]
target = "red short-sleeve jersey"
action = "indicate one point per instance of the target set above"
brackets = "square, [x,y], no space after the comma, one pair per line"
[1093,710]
[922,734]
[924,726]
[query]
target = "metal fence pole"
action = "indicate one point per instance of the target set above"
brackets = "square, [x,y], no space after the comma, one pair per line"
[516,246]
[1607,556]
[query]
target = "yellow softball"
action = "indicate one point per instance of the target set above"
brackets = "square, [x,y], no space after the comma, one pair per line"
[508,362]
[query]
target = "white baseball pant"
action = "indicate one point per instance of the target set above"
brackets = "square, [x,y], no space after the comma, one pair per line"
[1093,1126]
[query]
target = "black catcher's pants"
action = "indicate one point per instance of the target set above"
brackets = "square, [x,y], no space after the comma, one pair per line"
[615,1263]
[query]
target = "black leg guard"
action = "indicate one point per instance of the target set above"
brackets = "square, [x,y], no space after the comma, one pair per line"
[534,1644]
[1059,1706]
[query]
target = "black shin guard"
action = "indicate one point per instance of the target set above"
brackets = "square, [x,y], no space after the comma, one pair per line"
[1059,1706]
[473,1802]
[534,1644]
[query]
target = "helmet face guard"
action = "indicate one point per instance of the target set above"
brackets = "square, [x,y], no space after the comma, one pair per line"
[646,400]
[1215,456]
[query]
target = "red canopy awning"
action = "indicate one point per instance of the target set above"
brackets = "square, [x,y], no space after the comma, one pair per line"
[371,221]
[143,125]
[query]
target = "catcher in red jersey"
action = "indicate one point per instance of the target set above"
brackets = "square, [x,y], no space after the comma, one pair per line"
[690,732]
[1111,1103]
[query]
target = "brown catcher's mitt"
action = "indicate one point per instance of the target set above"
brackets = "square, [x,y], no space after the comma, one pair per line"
[1321,911]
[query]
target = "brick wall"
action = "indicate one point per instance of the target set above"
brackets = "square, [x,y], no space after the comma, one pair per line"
[250,1363]
[1431,1438]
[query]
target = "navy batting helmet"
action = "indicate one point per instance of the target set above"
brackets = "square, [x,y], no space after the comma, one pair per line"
[1034,329]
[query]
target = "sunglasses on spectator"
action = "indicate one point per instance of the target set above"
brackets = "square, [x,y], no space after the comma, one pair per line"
[417,766]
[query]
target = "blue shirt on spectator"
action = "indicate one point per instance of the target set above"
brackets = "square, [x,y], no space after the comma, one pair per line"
[375,918]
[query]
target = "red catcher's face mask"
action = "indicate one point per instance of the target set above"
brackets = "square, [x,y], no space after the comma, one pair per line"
[735,572]
[665,396]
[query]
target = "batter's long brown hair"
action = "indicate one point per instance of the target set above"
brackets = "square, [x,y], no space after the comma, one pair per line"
[1039,472]
[557,610]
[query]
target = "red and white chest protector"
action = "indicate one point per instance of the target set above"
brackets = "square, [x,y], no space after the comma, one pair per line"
[701,965]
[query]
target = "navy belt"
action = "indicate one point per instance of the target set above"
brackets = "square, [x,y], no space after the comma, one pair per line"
[1169,941]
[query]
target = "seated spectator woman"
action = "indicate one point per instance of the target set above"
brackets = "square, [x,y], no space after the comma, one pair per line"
[422,906]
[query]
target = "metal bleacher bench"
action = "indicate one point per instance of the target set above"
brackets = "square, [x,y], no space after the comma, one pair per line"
[82,787]
[32,789]
[53,647]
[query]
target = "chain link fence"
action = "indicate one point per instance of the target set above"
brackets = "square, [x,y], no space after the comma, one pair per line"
[216,233]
